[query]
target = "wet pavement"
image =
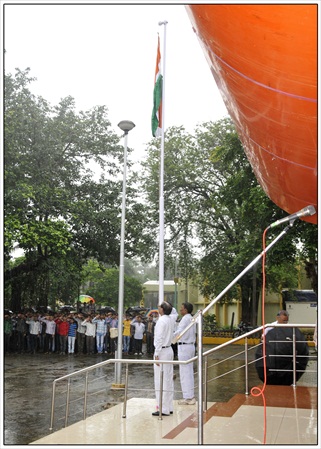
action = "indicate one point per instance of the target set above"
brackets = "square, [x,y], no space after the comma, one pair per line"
[28,388]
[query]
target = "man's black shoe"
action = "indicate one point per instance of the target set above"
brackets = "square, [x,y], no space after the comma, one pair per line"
[157,414]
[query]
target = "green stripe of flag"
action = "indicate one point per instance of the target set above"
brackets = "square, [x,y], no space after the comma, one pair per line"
[157,100]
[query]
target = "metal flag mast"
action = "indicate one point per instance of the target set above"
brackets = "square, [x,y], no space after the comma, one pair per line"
[161,182]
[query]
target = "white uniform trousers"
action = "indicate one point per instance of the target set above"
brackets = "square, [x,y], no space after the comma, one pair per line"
[168,382]
[186,372]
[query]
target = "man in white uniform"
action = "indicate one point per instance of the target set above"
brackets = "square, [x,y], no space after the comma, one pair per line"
[282,317]
[164,330]
[186,350]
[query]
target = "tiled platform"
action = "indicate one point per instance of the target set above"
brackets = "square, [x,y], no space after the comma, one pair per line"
[291,419]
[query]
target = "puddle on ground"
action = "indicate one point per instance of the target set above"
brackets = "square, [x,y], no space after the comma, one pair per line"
[28,388]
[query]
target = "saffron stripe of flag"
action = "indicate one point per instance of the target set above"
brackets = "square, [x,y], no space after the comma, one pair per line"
[157,97]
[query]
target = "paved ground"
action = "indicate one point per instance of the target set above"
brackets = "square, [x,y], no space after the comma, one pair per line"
[28,388]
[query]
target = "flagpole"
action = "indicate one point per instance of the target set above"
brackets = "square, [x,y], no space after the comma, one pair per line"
[161,181]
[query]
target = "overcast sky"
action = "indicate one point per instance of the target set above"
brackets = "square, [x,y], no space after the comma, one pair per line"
[105,55]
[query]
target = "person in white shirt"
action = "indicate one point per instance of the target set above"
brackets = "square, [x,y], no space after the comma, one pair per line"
[90,334]
[34,332]
[101,329]
[50,333]
[139,329]
[186,350]
[282,317]
[81,331]
[164,330]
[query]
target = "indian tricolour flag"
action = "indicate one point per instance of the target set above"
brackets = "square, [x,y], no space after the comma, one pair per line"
[157,102]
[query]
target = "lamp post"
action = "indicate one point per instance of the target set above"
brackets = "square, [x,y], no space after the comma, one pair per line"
[125,126]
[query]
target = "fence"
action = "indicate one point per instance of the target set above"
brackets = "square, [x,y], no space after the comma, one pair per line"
[204,367]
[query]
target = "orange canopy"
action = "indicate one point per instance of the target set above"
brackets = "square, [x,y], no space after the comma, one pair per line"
[264,61]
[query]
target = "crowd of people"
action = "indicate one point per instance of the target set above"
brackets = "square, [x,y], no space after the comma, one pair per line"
[76,333]
[91,333]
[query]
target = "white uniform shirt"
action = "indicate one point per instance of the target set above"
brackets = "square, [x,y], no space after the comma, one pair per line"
[267,329]
[190,335]
[139,330]
[50,326]
[163,335]
[80,329]
[34,327]
[90,328]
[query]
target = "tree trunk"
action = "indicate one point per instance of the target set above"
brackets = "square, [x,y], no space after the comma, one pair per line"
[43,289]
[311,271]
[16,290]
[246,302]
[254,297]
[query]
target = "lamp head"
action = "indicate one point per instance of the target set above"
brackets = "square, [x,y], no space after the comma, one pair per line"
[126,126]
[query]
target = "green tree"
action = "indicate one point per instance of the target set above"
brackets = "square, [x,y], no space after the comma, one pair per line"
[307,240]
[215,212]
[62,190]
[102,283]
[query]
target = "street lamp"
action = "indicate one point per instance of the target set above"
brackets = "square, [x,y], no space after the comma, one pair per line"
[125,126]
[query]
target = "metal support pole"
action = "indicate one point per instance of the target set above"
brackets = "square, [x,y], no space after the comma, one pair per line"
[85,398]
[161,180]
[126,392]
[53,405]
[67,403]
[121,269]
[161,386]
[246,349]
[200,377]
[205,383]
[294,357]
[125,126]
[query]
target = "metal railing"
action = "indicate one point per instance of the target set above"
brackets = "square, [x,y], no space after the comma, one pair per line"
[247,362]
[110,362]
[196,320]
[202,360]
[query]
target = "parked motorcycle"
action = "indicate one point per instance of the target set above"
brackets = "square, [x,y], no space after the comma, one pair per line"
[243,328]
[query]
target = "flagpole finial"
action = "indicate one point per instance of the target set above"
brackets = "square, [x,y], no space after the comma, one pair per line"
[163,23]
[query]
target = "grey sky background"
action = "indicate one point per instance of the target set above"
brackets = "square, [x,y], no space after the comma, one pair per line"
[104,54]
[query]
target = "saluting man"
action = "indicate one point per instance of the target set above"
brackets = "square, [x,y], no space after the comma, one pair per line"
[164,330]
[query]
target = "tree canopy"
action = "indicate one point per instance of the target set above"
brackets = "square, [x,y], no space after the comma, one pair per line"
[215,213]
[62,191]
[62,198]
[103,285]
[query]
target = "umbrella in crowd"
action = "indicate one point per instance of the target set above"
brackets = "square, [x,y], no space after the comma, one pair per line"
[85,299]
